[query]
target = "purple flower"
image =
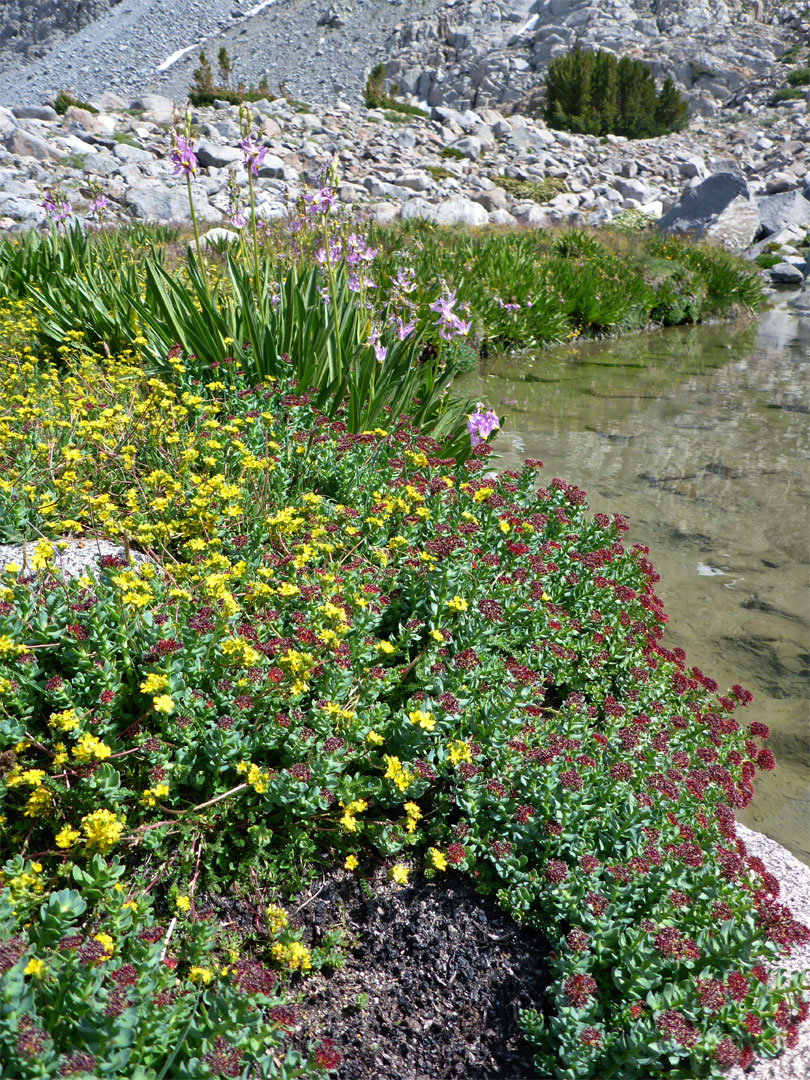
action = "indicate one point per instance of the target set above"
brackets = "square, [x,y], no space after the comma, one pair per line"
[444,305]
[56,204]
[405,280]
[252,155]
[374,340]
[320,201]
[404,330]
[480,424]
[98,205]
[184,160]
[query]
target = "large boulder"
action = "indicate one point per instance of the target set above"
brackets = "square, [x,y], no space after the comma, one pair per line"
[26,144]
[153,200]
[777,212]
[720,209]
[217,156]
[460,211]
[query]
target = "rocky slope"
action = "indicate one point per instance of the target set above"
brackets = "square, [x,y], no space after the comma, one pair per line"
[487,52]
[29,28]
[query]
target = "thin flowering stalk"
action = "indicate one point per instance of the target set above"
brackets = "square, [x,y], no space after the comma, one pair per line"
[184,163]
[252,156]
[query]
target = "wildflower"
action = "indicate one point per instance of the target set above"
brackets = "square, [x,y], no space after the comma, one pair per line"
[182,903]
[67,837]
[276,917]
[578,989]
[35,968]
[438,859]
[589,1036]
[373,738]
[106,942]
[252,155]
[294,955]
[183,158]
[673,1023]
[481,424]
[102,830]
[399,874]
[325,1056]
[202,975]
[457,603]
[413,814]
[424,720]
[163,704]
[351,862]
[89,748]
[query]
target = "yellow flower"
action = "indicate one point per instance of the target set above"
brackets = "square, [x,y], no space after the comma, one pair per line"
[67,837]
[413,815]
[294,955]
[385,647]
[182,903]
[67,720]
[457,604]
[482,494]
[201,975]
[102,830]
[438,860]
[163,704]
[154,682]
[107,943]
[89,748]
[437,635]
[277,918]
[458,751]
[399,874]
[504,526]
[424,720]
[39,802]
[34,967]
[373,738]
[351,862]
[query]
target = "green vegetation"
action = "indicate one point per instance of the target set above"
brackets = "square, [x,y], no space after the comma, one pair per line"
[438,172]
[539,191]
[348,647]
[596,94]
[377,98]
[204,91]
[766,260]
[787,93]
[64,99]
[629,221]
[451,153]
[799,76]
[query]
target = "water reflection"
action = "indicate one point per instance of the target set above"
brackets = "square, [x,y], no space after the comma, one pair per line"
[700,437]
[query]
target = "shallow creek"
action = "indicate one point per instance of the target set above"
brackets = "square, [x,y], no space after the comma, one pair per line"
[701,438]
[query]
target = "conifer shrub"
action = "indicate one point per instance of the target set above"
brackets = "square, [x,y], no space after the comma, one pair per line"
[593,93]
[205,91]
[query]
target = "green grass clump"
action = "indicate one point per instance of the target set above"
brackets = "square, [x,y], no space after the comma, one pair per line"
[766,260]
[451,153]
[787,93]
[540,191]
[438,172]
[799,76]
[64,99]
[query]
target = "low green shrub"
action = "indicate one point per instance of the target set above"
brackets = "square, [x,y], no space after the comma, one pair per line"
[64,99]
[596,94]
[351,652]
[205,91]
[452,153]
[539,191]
[767,259]
[799,76]
[787,93]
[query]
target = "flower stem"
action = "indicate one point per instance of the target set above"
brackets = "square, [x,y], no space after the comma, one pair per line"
[197,234]
[255,237]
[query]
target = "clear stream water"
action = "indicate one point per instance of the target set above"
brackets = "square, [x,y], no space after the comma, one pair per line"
[701,438]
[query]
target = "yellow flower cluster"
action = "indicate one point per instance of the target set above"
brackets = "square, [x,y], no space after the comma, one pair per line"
[292,955]
[348,819]
[102,830]
[412,816]
[399,776]
[254,776]
[424,720]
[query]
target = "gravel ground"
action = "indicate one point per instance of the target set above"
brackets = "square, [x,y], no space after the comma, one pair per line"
[123,50]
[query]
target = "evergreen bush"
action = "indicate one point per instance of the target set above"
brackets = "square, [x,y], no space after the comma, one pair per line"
[593,93]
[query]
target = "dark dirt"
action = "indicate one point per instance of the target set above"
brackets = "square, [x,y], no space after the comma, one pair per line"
[433,980]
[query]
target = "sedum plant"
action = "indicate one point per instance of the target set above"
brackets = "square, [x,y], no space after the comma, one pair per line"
[348,650]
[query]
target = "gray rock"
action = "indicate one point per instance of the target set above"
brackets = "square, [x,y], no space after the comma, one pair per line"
[784,273]
[132,155]
[26,144]
[502,217]
[460,211]
[217,156]
[469,147]
[777,212]
[720,209]
[155,107]
[421,208]
[35,112]
[802,301]
[97,123]
[75,558]
[532,214]
[153,200]
[273,168]
[22,209]
[416,181]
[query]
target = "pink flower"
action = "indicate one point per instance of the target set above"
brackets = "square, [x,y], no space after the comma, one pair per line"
[252,155]
[184,160]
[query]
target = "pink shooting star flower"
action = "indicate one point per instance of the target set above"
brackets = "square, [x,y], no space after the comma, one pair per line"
[184,160]
[481,424]
[252,155]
